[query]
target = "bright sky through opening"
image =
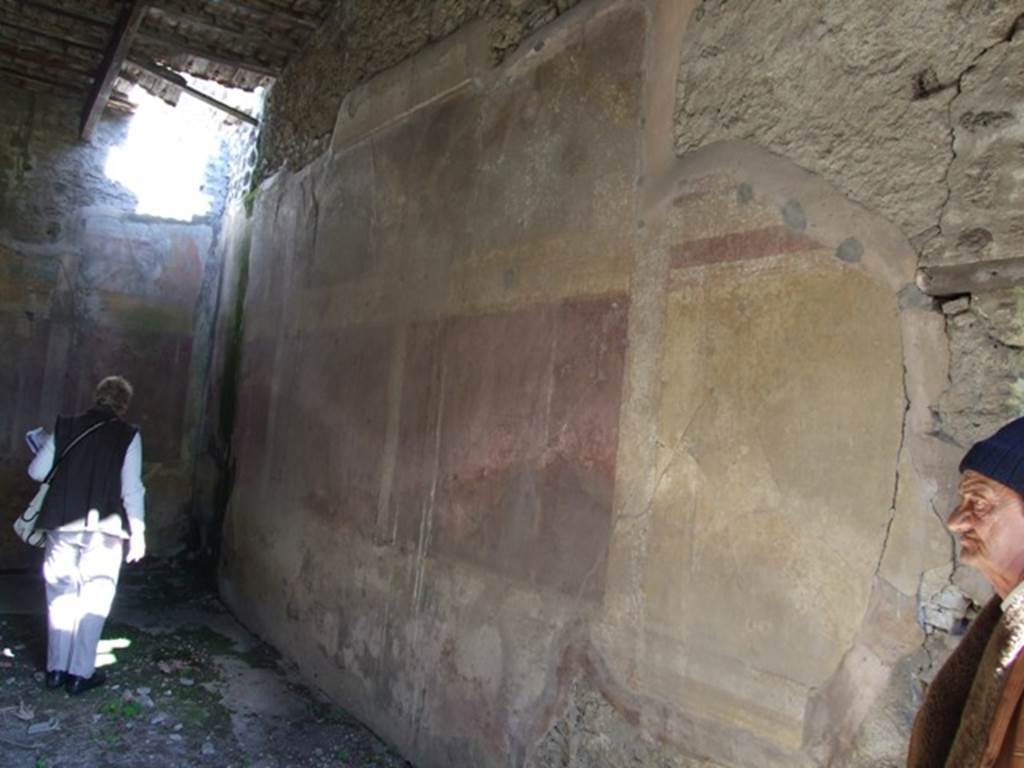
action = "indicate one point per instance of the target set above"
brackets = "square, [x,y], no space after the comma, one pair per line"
[164,159]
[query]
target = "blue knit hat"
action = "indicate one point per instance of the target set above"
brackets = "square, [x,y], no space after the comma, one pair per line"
[1000,457]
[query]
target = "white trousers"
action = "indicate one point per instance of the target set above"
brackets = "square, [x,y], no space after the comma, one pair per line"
[80,571]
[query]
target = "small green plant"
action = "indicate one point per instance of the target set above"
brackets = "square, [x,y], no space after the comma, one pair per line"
[249,200]
[121,710]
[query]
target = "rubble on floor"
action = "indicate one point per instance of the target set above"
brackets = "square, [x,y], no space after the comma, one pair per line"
[187,686]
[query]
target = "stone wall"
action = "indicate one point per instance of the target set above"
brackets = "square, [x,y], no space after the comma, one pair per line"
[552,448]
[913,111]
[87,288]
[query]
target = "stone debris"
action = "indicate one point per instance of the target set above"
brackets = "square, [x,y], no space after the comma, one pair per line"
[146,701]
[170,667]
[44,726]
[25,712]
[956,306]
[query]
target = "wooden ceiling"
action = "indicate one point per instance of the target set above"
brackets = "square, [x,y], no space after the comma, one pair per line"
[90,50]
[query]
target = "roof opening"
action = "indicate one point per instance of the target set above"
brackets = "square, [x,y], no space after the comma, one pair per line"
[176,160]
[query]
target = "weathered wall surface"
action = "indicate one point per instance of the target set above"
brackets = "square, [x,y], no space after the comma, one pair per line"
[913,110]
[86,289]
[860,93]
[216,461]
[554,449]
[363,39]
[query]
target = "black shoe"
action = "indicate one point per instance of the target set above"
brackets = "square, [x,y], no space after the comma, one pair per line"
[77,685]
[56,678]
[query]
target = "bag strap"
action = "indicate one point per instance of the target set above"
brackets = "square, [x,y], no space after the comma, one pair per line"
[76,441]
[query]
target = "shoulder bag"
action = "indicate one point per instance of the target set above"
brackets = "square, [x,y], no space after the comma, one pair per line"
[25,523]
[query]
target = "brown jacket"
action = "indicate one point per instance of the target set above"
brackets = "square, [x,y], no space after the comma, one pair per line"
[1005,748]
[972,715]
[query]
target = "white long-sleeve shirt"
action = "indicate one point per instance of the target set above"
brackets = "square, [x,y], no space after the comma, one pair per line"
[133,492]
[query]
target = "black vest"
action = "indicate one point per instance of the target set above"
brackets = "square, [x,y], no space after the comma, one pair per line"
[89,477]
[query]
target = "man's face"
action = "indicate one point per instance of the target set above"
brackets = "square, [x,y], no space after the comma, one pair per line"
[989,521]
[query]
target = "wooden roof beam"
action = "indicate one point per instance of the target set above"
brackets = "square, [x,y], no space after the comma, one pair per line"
[14,73]
[78,41]
[127,25]
[57,10]
[175,45]
[270,11]
[172,77]
[25,85]
[45,61]
[265,42]
[44,45]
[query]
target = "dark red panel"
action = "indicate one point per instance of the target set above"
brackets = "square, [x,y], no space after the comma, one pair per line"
[332,422]
[528,406]
[741,246]
[582,443]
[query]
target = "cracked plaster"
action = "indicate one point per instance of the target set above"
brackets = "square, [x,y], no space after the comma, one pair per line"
[980,219]
[857,121]
[987,365]
[887,148]
[925,133]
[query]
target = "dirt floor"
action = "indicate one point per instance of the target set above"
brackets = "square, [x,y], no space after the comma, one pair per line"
[188,686]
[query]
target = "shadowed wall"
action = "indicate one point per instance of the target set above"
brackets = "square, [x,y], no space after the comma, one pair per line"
[87,288]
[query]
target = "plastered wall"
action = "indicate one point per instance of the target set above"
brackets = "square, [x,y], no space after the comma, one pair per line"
[555,448]
[360,40]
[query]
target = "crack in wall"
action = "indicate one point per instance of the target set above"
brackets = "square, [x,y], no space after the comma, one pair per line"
[897,477]
[958,85]
[674,455]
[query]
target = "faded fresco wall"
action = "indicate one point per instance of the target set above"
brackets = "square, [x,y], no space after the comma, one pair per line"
[576,426]
[88,288]
[362,39]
